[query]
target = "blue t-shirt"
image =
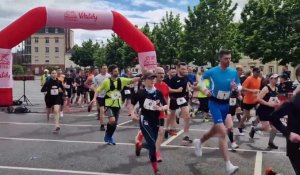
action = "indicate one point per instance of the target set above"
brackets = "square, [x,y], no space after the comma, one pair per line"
[220,81]
[191,78]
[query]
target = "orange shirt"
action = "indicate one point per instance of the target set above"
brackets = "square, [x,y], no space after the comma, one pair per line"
[61,78]
[251,83]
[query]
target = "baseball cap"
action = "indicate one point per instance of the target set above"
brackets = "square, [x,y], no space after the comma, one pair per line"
[46,70]
[149,75]
[284,76]
[274,76]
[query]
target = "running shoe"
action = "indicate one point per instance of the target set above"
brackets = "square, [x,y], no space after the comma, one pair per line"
[198,147]
[102,128]
[234,146]
[232,169]
[172,132]
[186,140]
[158,158]
[251,133]
[272,146]
[111,141]
[56,130]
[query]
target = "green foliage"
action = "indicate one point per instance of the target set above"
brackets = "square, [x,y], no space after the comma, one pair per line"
[209,28]
[269,30]
[84,56]
[18,70]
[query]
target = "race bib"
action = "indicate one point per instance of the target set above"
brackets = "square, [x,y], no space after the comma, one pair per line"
[127,92]
[232,101]
[180,101]
[67,86]
[115,95]
[54,91]
[101,94]
[149,104]
[273,99]
[223,95]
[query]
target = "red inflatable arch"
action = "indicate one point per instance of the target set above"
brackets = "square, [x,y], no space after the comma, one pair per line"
[40,17]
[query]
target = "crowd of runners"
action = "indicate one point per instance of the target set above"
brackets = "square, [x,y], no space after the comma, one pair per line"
[159,99]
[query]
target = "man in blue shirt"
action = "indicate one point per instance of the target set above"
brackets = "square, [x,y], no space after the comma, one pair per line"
[223,80]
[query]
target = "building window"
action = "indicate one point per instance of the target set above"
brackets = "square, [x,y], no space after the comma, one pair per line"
[56,40]
[47,49]
[56,56]
[36,49]
[46,30]
[271,69]
[47,40]
[36,39]
[56,49]
[261,68]
[47,61]
[36,60]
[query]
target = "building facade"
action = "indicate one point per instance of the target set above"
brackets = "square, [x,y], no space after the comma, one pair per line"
[47,48]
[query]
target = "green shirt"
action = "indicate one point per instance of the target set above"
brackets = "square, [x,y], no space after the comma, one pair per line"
[114,97]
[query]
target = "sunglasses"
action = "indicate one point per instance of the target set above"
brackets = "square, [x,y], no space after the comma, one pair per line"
[150,78]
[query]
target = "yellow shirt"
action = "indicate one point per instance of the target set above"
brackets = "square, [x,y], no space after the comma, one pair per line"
[114,97]
[201,93]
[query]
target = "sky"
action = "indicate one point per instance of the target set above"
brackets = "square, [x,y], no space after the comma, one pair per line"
[138,12]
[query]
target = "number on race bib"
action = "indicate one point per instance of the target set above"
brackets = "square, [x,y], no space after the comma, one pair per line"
[67,86]
[223,95]
[127,92]
[232,101]
[115,95]
[54,92]
[180,101]
[149,104]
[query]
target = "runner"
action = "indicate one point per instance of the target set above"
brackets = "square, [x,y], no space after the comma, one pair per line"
[45,77]
[292,130]
[113,100]
[268,101]
[53,99]
[61,77]
[179,99]
[74,90]
[128,90]
[224,79]
[90,84]
[69,86]
[251,88]
[80,88]
[98,80]
[152,104]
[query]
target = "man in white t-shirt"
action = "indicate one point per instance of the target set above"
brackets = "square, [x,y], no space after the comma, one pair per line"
[100,99]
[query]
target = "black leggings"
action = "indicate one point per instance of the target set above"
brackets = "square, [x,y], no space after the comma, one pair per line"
[150,132]
[296,164]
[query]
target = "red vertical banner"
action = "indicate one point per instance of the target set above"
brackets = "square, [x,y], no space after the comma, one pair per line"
[6,77]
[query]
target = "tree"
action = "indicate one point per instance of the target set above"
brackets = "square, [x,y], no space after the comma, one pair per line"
[208,28]
[268,30]
[18,70]
[85,55]
[166,37]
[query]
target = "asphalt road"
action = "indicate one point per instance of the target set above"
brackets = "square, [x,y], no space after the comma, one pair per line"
[27,146]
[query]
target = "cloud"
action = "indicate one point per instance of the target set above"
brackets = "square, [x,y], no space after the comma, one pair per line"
[146,3]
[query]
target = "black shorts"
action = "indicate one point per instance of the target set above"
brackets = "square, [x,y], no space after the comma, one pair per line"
[53,100]
[203,104]
[80,91]
[74,90]
[101,101]
[69,92]
[162,122]
[113,112]
[175,106]
[264,114]
[248,106]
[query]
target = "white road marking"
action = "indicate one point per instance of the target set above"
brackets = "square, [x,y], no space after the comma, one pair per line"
[258,163]
[128,144]
[55,170]
[172,138]
[124,123]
